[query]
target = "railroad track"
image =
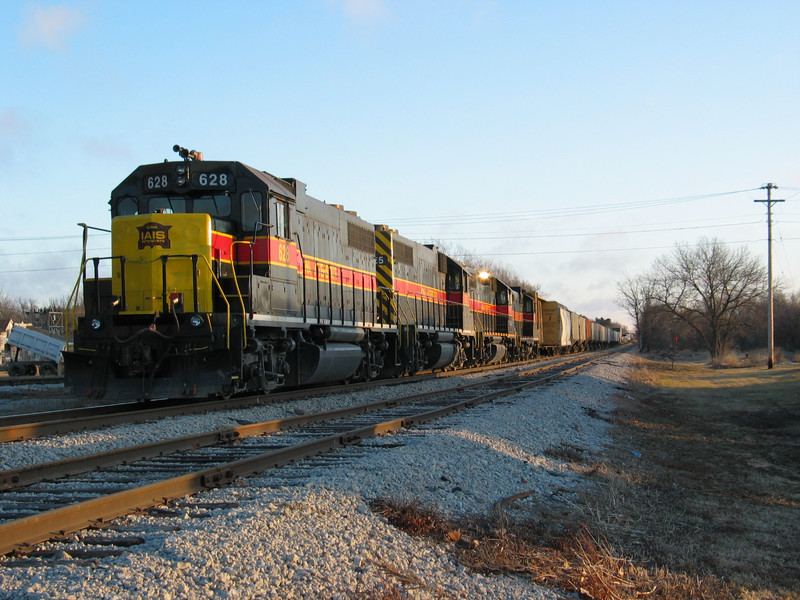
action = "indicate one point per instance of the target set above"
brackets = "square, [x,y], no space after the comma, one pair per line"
[47,501]
[9,381]
[32,425]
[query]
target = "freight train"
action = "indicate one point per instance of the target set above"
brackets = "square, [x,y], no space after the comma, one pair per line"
[225,279]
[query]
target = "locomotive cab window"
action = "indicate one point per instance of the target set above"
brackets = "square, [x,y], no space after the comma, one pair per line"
[251,211]
[453,282]
[528,305]
[165,204]
[127,207]
[282,220]
[218,205]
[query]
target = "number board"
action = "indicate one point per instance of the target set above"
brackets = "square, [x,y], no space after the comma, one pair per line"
[157,182]
[219,179]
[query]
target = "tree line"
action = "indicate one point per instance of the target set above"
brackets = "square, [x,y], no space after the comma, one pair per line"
[708,296]
[22,310]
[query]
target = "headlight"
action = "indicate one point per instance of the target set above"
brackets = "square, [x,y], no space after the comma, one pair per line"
[95,323]
[196,320]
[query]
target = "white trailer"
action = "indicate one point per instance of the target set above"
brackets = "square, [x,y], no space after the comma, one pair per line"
[38,343]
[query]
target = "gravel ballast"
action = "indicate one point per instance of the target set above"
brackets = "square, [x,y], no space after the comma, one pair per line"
[318,538]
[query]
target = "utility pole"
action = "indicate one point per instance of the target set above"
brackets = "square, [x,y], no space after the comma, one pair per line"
[770,319]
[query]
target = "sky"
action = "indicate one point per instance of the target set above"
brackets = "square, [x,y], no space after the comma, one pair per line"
[573,141]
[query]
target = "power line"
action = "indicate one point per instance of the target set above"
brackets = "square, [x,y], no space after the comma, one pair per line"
[597,250]
[75,251]
[560,211]
[46,238]
[561,234]
[72,268]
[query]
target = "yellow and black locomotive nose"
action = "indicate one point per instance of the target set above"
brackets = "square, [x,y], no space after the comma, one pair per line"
[162,256]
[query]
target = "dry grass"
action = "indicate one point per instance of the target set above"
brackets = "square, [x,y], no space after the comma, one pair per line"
[697,497]
[572,560]
[584,562]
[756,358]
[382,591]
[414,518]
[716,488]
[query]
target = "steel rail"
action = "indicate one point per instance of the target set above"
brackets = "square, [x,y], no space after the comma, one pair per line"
[30,380]
[21,427]
[22,533]
[20,477]
[189,405]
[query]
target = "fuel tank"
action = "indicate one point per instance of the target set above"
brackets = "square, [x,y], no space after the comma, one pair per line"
[334,362]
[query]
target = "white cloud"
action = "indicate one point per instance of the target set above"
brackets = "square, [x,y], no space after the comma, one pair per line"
[50,26]
[107,148]
[364,10]
[11,123]
[14,132]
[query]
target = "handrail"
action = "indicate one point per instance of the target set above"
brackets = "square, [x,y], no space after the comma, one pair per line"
[165,257]
[72,304]
[388,299]
[73,299]
[238,289]
[250,276]
[435,307]
[303,262]
[228,305]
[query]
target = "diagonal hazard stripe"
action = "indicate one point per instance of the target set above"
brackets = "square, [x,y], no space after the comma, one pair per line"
[384,237]
[383,247]
[384,279]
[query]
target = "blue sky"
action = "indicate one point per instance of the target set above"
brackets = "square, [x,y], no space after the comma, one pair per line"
[574,141]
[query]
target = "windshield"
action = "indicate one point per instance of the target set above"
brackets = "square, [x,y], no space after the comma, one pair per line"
[216,205]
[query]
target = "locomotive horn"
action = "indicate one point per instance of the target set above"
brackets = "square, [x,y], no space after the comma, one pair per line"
[187,154]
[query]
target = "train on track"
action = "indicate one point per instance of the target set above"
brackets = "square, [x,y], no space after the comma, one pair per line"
[225,279]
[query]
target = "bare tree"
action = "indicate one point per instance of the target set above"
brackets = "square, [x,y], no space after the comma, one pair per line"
[787,323]
[637,296]
[631,295]
[502,271]
[10,307]
[787,319]
[709,287]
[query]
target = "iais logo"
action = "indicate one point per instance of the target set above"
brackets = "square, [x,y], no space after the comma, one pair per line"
[154,234]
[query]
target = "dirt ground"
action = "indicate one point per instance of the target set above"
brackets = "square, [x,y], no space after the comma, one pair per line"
[704,476]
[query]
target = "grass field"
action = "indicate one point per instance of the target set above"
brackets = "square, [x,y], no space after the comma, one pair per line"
[703,480]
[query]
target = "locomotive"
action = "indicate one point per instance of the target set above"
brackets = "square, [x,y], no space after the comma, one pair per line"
[225,279]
